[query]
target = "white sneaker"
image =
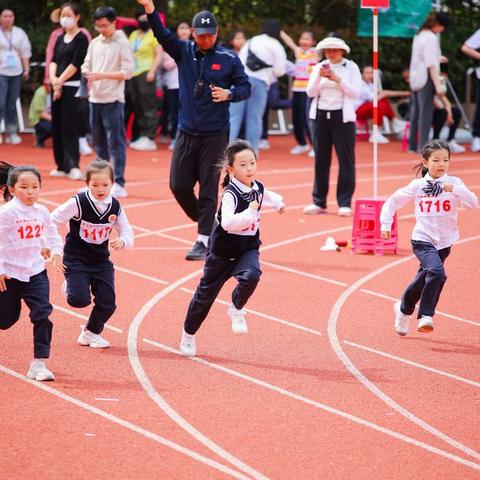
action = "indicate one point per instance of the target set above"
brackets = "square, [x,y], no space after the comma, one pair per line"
[38,371]
[90,339]
[14,139]
[143,144]
[455,147]
[172,145]
[264,144]
[314,209]
[401,320]
[299,149]
[118,191]
[344,212]
[398,125]
[84,147]
[75,174]
[381,139]
[58,173]
[163,140]
[311,153]
[239,324]
[425,324]
[63,289]
[188,347]
[475,144]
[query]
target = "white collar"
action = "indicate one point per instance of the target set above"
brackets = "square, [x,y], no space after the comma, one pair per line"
[439,179]
[242,187]
[21,206]
[107,201]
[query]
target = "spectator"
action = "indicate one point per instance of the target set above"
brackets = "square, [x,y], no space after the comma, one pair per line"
[306,57]
[364,104]
[40,114]
[236,41]
[109,62]
[268,61]
[469,48]
[334,85]
[425,79]
[141,87]
[15,53]
[68,56]
[206,72]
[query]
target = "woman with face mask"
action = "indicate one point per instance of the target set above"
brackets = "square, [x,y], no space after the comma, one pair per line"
[69,54]
[141,87]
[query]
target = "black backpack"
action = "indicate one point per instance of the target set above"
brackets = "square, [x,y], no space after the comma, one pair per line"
[254,63]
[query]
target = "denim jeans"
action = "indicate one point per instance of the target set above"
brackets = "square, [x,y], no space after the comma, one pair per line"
[9,93]
[108,135]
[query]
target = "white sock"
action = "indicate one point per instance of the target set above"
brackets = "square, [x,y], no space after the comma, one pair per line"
[188,336]
[203,239]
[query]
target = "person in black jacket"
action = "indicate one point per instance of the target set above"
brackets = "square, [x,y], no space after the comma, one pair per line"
[210,77]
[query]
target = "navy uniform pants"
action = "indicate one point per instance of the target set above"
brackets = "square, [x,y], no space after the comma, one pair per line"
[35,294]
[246,270]
[428,283]
[83,281]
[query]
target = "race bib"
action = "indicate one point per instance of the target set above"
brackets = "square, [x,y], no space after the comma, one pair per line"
[434,206]
[95,233]
[26,233]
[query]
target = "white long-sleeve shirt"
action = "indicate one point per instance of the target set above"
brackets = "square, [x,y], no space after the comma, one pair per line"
[24,231]
[68,210]
[241,223]
[436,216]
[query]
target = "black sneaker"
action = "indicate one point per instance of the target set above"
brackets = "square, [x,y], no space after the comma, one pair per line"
[197,252]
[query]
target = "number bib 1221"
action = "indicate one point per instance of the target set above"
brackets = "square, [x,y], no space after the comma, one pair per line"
[95,233]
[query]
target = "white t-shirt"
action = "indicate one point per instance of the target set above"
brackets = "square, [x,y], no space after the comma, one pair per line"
[425,54]
[474,43]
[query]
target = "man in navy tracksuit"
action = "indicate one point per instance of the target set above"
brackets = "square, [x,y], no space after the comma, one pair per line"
[210,77]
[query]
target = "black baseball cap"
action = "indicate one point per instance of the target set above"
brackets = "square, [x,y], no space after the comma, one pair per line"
[204,22]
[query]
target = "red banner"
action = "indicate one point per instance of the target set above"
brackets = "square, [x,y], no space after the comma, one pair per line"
[375,3]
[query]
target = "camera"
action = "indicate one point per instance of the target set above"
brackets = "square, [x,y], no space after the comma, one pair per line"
[198,89]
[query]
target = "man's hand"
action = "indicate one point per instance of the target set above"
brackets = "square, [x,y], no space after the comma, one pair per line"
[219,94]
[147,5]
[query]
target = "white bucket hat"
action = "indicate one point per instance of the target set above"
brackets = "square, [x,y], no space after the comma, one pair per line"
[332,42]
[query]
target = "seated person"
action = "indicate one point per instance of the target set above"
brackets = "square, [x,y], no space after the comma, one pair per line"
[364,104]
[40,115]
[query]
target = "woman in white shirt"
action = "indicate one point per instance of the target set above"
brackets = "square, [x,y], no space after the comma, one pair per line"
[425,79]
[334,85]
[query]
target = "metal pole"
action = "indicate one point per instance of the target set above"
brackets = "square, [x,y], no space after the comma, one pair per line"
[375,102]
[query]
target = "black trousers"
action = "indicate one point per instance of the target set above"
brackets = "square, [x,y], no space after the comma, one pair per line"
[172,103]
[217,270]
[35,294]
[476,120]
[300,118]
[439,118]
[144,105]
[99,281]
[196,159]
[421,114]
[65,117]
[428,283]
[330,130]
[43,131]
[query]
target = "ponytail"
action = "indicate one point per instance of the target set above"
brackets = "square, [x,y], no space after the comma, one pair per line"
[226,180]
[4,169]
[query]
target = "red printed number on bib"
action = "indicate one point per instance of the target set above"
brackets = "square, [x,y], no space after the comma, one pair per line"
[30,231]
[94,233]
[434,206]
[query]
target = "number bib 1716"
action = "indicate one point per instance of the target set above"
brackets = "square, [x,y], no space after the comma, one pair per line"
[95,233]
[434,206]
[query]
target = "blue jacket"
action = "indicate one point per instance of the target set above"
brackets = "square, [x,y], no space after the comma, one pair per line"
[218,66]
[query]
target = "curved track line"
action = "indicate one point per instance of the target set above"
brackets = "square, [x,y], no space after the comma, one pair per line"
[334,342]
[158,399]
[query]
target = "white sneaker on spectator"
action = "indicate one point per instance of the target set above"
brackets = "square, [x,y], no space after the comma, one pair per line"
[90,339]
[401,320]
[63,289]
[14,139]
[172,145]
[38,371]
[344,212]
[84,147]
[398,125]
[239,324]
[58,173]
[425,324]
[314,209]
[311,153]
[163,139]
[381,139]
[264,144]
[475,144]
[188,347]
[143,144]
[455,147]
[299,149]
[75,174]
[118,191]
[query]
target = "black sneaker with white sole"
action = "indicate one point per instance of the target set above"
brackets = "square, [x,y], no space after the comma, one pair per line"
[197,252]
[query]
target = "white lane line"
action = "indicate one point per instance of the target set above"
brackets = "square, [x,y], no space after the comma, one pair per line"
[126,424]
[337,348]
[140,275]
[149,203]
[102,399]
[413,364]
[157,398]
[321,406]
[262,315]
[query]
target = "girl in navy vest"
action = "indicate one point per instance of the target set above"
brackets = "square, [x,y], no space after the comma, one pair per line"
[92,215]
[234,244]
[27,238]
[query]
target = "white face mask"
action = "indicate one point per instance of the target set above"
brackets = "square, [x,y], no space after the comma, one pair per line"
[67,22]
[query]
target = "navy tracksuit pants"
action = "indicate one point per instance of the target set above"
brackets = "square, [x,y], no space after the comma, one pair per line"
[35,294]
[99,281]
[246,269]
[428,283]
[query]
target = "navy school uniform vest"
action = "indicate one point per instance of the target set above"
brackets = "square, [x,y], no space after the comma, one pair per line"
[234,245]
[90,232]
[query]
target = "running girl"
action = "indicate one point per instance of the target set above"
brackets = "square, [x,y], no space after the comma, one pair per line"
[234,244]
[27,238]
[437,197]
[91,216]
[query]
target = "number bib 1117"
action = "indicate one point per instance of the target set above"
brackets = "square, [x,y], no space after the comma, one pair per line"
[95,233]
